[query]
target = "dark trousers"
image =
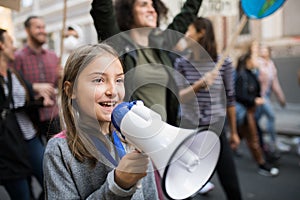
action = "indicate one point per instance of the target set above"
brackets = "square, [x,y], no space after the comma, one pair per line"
[19,189]
[226,171]
[248,131]
[36,154]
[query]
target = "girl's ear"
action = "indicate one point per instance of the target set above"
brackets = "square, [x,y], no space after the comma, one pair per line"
[201,33]
[68,89]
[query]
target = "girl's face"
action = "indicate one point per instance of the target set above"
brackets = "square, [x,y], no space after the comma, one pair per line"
[100,87]
[192,33]
[144,14]
[251,63]
[37,31]
[8,47]
[264,52]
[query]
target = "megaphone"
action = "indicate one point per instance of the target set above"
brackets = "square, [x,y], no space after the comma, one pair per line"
[185,158]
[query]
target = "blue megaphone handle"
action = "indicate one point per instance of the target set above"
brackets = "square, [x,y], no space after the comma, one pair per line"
[119,112]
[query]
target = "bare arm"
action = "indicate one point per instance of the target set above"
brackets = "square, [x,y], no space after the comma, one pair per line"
[204,82]
[234,137]
[45,90]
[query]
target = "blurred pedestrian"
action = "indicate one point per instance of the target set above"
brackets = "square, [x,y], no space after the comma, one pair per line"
[207,88]
[41,68]
[247,89]
[269,83]
[18,159]
[73,38]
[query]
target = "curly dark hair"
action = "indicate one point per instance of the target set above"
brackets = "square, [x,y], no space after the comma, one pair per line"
[124,13]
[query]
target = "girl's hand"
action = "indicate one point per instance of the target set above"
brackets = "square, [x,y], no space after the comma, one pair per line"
[234,140]
[132,167]
[209,78]
[259,101]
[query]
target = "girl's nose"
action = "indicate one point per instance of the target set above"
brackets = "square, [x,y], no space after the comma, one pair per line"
[111,89]
[151,8]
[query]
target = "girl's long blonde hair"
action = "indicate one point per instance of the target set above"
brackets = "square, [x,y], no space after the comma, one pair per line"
[76,130]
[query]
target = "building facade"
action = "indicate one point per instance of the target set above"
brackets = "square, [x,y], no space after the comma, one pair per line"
[279,30]
[52,11]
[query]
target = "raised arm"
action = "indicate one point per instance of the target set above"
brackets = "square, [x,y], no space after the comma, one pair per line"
[186,16]
[276,87]
[181,22]
[104,18]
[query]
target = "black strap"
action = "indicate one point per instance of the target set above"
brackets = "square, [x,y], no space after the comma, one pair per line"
[9,98]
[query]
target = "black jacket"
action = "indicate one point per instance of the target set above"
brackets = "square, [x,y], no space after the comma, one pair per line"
[247,88]
[14,162]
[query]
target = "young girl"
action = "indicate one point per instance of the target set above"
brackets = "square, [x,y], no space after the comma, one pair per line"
[247,90]
[87,161]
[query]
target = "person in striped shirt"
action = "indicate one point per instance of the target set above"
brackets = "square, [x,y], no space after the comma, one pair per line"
[207,97]
[15,170]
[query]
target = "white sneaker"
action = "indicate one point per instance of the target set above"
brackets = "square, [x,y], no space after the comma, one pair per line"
[206,188]
[268,171]
[283,147]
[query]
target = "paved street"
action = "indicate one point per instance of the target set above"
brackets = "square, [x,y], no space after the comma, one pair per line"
[257,187]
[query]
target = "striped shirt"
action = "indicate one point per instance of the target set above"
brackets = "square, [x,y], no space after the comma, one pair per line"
[39,68]
[209,106]
[19,97]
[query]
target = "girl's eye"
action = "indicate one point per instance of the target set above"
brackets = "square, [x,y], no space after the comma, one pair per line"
[145,3]
[120,80]
[98,80]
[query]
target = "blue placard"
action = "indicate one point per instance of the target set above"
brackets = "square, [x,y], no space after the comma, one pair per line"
[257,9]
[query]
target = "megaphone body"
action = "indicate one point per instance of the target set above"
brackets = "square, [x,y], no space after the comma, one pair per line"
[185,158]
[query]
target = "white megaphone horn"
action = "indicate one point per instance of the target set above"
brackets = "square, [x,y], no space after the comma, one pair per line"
[185,158]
